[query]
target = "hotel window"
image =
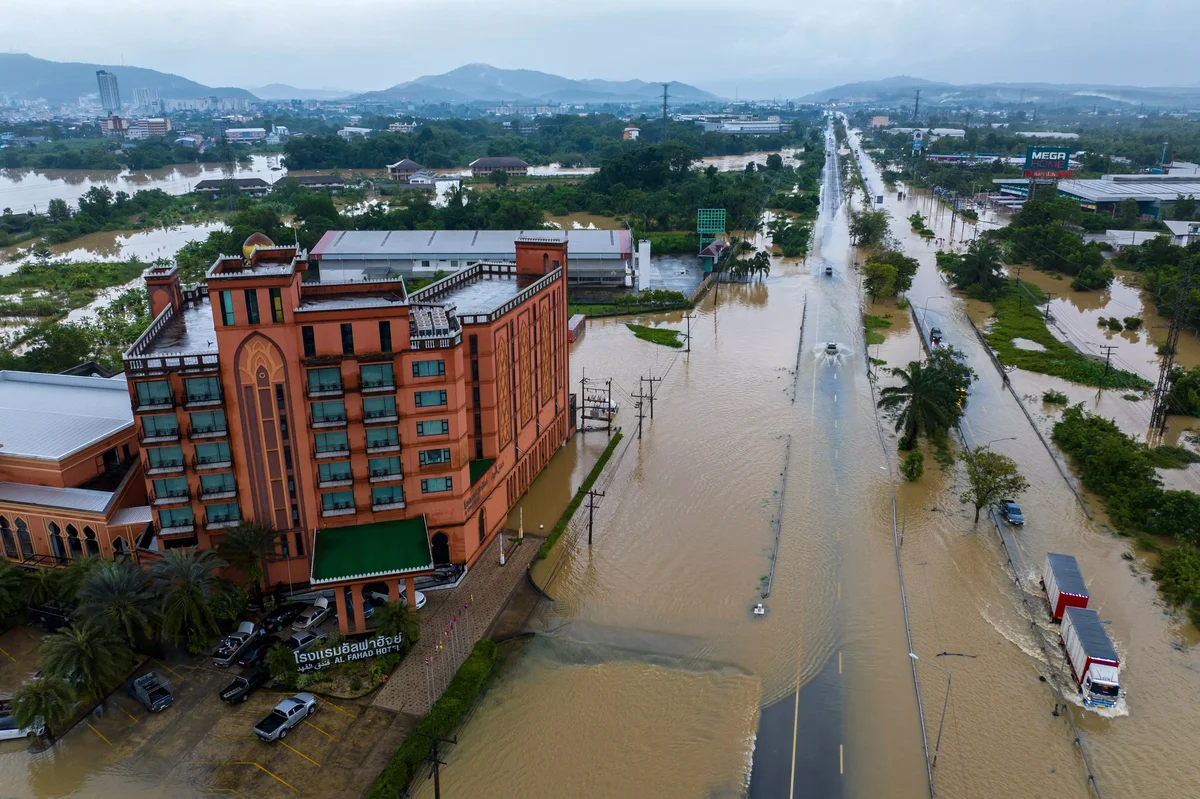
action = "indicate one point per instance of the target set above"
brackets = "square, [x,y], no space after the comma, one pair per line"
[227,308]
[337,500]
[385,336]
[213,453]
[334,472]
[176,517]
[251,305]
[310,341]
[430,399]
[429,368]
[202,389]
[379,407]
[437,427]
[382,437]
[384,467]
[378,376]
[434,457]
[224,512]
[218,483]
[347,338]
[156,392]
[325,379]
[170,487]
[334,411]
[164,425]
[276,296]
[332,442]
[160,457]
[387,495]
[432,485]
[208,422]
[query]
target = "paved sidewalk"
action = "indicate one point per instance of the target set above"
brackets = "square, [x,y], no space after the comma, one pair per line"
[486,588]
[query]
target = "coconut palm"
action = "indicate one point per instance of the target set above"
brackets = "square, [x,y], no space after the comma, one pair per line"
[923,403]
[71,578]
[44,585]
[394,618]
[281,662]
[90,655]
[248,546]
[119,594]
[45,701]
[14,590]
[187,584]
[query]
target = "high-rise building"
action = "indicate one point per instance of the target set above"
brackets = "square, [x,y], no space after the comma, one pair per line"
[110,94]
[384,435]
[144,98]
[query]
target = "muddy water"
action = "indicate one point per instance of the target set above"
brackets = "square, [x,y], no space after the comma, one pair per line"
[1000,738]
[650,676]
[734,163]
[585,221]
[145,245]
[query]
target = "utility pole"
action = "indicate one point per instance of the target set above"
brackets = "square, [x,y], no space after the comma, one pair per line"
[917,106]
[641,413]
[592,510]
[1158,416]
[688,316]
[1108,350]
[437,762]
[1049,296]
[652,381]
[665,96]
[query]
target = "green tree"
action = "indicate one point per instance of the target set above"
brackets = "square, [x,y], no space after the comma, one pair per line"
[73,577]
[979,272]
[14,590]
[868,228]
[45,700]
[44,585]
[499,177]
[395,618]
[923,404]
[913,466]
[879,279]
[91,656]
[59,211]
[1185,207]
[281,662]
[990,477]
[119,595]
[248,547]
[187,582]
[1127,213]
[774,162]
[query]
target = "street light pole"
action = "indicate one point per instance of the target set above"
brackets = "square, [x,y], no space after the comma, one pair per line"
[994,440]
[946,703]
[925,307]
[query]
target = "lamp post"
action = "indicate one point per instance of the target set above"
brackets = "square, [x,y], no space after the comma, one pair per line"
[945,704]
[994,440]
[925,307]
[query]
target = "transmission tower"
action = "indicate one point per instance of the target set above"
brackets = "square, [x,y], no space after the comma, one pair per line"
[1158,416]
[665,96]
[917,106]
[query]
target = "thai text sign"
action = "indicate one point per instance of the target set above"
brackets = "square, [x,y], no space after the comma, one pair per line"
[1048,162]
[347,651]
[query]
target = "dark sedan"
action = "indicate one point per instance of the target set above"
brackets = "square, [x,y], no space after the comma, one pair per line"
[1011,512]
[256,651]
[282,616]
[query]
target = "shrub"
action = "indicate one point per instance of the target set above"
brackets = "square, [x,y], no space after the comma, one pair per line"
[1114,324]
[913,466]
[1052,397]
[1132,322]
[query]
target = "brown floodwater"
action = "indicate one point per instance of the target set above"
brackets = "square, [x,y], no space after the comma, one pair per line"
[584,220]
[1001,739]
[120,245]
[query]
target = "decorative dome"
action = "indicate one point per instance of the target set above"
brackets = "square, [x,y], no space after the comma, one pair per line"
[254,241]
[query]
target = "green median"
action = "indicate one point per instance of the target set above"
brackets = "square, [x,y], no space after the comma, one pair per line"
[589,481]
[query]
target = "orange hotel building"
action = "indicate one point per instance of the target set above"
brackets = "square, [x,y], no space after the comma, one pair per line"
[383,434]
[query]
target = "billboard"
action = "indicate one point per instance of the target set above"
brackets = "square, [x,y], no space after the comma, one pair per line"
[1048,162]
[917,141]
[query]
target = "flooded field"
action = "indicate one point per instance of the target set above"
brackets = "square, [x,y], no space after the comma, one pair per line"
[145,245]
[584,221]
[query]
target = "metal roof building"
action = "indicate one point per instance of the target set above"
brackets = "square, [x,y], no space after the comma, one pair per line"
[595,256]
[1152,193]
[54,416]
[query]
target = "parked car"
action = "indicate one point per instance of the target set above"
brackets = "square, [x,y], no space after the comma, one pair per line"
[235,643]
[1011,512]
[257,650]
[245,684]
[312,615]
[9,730]
[287,714]
[377,598]
[152,690]
[281,617]
[299,642]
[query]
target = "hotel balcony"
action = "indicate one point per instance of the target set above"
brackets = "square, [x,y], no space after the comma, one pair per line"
[327,421]
[205,400]
[386,477]
[164,467]
[220,492]
[204,464]
[221,522]
[331,452]
[387,505]
[185,528]
[326,390]
[340,509]
[178,498]
[340,483]
[199,433]
[380,417]
[377,386]
[382,446]
[159,436]
[154,404]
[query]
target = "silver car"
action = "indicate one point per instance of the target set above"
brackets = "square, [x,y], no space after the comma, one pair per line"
[299,642]
[312,615]
[285,715]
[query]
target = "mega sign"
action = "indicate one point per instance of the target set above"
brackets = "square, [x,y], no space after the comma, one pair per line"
[1048,162]
[347,651]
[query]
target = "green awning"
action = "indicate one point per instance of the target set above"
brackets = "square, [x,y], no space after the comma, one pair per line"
[479,468]
[382,549]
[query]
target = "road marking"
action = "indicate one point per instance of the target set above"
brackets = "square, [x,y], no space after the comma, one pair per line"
[795,727]
[835,397]
[841,759]
[297,751]
[835,454]
[336,707]
[168,668]
[835,421]
[839,662]
[839,591]
[10,657]
[126,712]
[241,763]
[93,729]
[318,729]
[233,737]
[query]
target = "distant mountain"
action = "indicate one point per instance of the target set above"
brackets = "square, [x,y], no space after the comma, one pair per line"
[24,77]
[901,91]
[484,83]
[282,91]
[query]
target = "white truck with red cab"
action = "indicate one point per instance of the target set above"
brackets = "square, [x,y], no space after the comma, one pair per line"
[1094,659]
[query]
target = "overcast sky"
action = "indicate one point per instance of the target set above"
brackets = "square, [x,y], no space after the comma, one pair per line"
[758,48]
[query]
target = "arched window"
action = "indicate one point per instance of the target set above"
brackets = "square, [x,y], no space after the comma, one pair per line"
[23,539]
[10,543]
[89,541]
[441,549]
[120,548]
[74,547]
[545,264]
[56,543]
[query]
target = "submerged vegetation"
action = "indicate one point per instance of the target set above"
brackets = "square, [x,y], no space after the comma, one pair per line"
[666,336]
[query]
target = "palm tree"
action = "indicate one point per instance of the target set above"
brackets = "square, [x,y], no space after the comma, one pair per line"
[394,618]
[187,584]
[72,577]
[44,585]
[119,595]
[922,404]
[45,701]
[281,662]
[247,547]
[14,590]
[90,655]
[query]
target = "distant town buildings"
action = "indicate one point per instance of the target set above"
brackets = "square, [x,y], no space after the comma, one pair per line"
[402,127]
[631,132]
[482,167]
[194,140]
[403,168]
[152,126]
[144,98]
[245,134]
[110,93]
[349,133]
[114,126]
[252,187]
[422,178]
[879,122]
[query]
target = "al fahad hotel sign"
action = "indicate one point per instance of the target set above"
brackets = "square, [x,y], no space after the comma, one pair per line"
[1048,162]
[346,651]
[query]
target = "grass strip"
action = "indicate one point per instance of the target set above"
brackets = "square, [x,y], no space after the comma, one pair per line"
[589,481]
[443,717]
[666,336]
[595,309]
[1016,316]
[873,324]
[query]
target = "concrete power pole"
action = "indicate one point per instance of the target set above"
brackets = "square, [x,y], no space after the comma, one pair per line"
[592,510]
[1158,416]
[652,381]
[1108,351]
[640,409]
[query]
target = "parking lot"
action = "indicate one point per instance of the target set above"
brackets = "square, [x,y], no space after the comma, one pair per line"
[202,744]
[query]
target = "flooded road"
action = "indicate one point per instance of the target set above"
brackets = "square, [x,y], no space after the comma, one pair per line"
[650,675]
[1001,739]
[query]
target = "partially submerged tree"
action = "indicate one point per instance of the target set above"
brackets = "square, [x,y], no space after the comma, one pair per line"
[990,477]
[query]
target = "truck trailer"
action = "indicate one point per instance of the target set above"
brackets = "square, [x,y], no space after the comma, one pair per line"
[1094,660]
[1063,583]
